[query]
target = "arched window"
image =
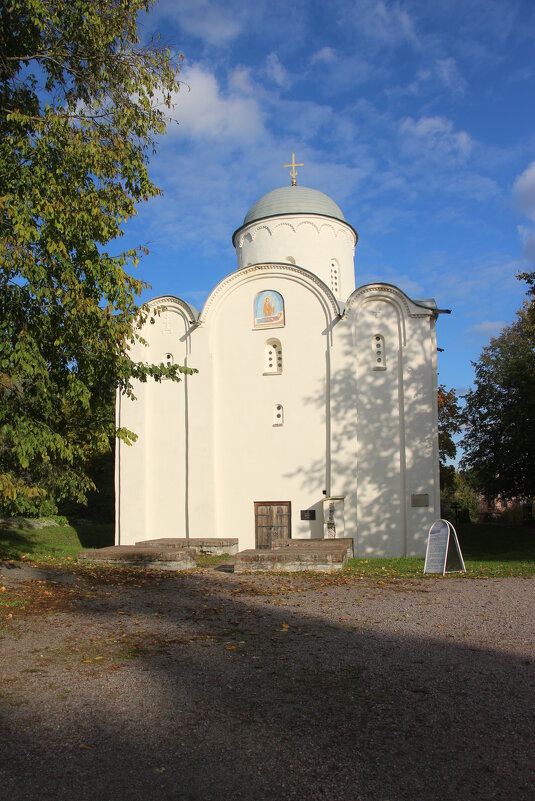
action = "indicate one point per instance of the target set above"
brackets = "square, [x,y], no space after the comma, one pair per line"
[278,415]
[272,357]
[378,352]
[335,277]
[168,361]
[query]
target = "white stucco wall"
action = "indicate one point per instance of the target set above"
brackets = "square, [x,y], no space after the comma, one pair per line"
[254,459]
[151,473]
[208,448]
[393,437]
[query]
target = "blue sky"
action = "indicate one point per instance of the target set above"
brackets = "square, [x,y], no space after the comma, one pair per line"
[417,118]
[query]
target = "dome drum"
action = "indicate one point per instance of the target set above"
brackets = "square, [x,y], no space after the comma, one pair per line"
[301,226]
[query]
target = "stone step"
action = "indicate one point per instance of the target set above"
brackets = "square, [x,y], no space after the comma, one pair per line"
[142,556]
[345,543]
[207,545]
[290,560]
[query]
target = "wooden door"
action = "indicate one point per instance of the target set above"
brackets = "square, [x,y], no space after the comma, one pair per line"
[272,520]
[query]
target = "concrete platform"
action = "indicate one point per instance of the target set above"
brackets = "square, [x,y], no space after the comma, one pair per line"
[207,545]
[315,544]
[291,559]
[149,557]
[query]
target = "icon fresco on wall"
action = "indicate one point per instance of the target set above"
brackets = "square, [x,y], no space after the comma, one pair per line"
[268,310]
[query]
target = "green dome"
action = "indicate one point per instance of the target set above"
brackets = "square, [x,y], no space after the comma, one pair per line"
[293,200]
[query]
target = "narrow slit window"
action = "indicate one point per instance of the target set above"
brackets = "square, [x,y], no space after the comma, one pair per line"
[278,415]
[273,357]
[335,277]
[378,352]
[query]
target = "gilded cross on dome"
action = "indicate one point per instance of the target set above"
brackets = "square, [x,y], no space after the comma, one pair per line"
[293,171]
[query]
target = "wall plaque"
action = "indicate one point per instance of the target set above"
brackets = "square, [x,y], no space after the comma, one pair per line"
[308,514]
[420,500]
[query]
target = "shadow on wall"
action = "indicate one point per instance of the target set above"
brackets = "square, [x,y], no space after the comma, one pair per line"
[366,464]
[280,706]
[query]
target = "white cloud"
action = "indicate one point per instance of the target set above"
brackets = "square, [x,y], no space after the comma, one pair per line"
[240,80]
[324,56]
[490,328]
[527,236]
[275,70]
[470,185]
[215,23]
[437,136]
[524,194]
[524,191]
[449,74]
[208,112]
[388,23]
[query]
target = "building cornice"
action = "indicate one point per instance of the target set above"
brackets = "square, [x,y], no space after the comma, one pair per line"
[191,312]
[343,226]
[253,270]
[388,291]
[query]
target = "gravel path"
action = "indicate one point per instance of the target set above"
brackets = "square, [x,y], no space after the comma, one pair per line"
[213,687]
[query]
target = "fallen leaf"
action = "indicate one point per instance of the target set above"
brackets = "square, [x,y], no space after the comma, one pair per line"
[85,747]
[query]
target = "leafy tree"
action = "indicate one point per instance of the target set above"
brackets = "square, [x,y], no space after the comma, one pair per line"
[499,417]
[449,424]
[529,278]
[80,107]
[460,495]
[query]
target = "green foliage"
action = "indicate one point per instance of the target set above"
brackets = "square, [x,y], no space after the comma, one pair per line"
[449,422]
[80,107]
[462,492]
[53,544]
[529,278]
[499,417]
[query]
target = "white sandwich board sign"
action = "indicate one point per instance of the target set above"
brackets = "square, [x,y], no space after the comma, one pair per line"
[443,553]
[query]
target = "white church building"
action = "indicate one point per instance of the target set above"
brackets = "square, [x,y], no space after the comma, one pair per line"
[314,410]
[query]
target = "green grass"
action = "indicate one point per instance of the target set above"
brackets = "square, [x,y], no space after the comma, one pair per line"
[488,550]
[55,544]
[209,560]
[385,568]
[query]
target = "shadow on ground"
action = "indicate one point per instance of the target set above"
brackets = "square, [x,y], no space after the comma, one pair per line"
[202,688]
